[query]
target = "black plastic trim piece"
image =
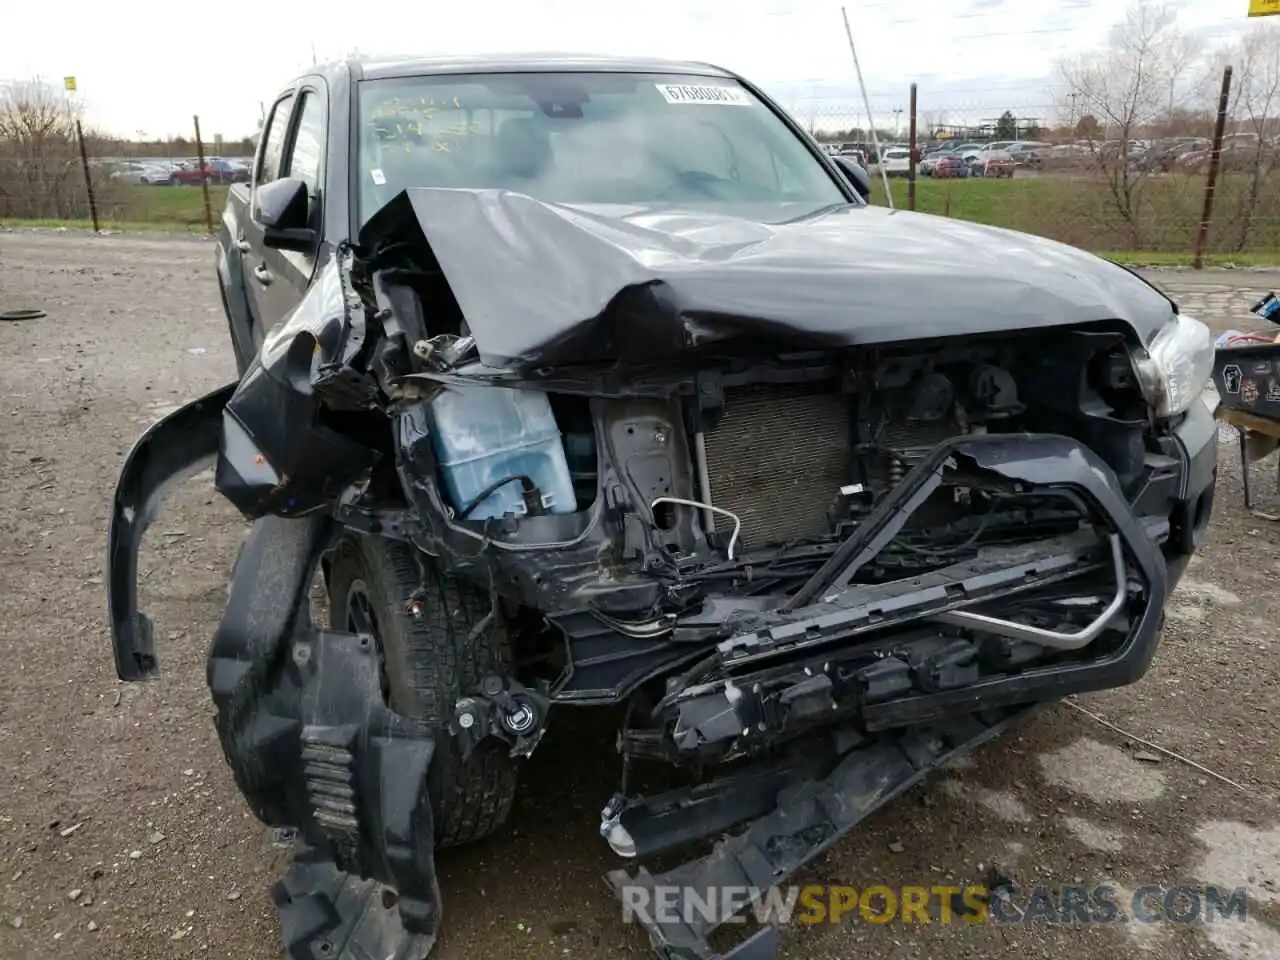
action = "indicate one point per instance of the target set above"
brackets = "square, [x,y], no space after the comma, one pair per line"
[806,821]
[170,450]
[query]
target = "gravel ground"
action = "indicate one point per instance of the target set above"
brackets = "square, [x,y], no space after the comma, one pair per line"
[121,834]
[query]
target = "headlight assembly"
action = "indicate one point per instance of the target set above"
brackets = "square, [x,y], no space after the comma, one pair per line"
[1177,366]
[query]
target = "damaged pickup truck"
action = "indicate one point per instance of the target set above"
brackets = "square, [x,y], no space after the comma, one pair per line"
[591,383]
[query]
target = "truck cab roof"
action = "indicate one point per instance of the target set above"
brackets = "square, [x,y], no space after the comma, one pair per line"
[382,67]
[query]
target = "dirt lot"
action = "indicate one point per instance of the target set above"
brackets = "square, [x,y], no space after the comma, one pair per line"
[121,835]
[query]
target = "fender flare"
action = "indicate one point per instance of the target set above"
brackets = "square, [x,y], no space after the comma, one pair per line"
[176,447]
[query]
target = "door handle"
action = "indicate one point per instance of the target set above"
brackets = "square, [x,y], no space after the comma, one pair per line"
[243,245]
[263,275]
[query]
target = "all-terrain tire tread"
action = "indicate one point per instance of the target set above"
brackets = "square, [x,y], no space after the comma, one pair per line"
[431,661]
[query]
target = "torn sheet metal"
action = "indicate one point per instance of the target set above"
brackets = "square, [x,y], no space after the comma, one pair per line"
[541,284]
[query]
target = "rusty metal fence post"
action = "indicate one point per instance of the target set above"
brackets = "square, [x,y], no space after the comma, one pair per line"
[88,180]
[204,176]
[1211,181]
[911,159]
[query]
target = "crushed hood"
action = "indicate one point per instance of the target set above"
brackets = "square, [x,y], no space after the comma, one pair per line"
[545,284]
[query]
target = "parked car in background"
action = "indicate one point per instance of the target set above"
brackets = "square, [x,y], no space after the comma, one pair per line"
[976,154]
[896,161]
[215,170]
[930,154]
[1240,152]
[949,166]
[931,159]
[1027,153]
[1112,149]
[1066,155]
[995,163]
[852,152]
[150,174]
[1162,156]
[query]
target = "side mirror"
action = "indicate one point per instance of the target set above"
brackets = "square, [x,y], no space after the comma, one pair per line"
[282,207]
[856,176]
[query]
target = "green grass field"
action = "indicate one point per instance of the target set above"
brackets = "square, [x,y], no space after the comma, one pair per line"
[145,208]
[1082,212]
[171,206]
[1075,210]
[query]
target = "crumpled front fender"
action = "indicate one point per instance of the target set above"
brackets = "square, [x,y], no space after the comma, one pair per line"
[179,445]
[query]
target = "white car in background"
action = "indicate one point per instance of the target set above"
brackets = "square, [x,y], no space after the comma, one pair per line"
[977,157]
[152,174]
[896,161]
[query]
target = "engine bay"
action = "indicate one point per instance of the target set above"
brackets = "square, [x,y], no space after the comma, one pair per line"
[689,506]
[763,461]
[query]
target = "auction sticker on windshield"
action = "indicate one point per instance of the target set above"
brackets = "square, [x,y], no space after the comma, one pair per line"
[704,94]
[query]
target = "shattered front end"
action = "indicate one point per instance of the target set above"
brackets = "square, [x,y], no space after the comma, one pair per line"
[812,565]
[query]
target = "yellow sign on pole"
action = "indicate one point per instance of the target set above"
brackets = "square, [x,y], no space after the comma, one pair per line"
[69,83]
[1264,8]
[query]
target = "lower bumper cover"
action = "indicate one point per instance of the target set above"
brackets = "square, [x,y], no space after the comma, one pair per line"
[682,907]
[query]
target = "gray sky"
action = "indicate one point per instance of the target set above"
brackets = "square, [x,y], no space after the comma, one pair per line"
[139,69]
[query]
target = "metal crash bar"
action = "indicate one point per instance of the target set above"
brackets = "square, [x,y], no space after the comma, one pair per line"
[1054,639]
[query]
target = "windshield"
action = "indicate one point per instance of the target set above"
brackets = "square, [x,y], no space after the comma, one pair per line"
[586,138]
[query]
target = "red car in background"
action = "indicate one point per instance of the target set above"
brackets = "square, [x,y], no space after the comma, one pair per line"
[997,163]
[215,170]
[949,167]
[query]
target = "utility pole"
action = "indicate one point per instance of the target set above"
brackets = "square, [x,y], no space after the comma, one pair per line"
[1073,97]
[897,124]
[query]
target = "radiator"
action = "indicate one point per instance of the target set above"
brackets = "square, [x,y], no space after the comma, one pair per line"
[778,457]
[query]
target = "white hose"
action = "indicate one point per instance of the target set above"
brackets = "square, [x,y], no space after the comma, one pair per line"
[737,523]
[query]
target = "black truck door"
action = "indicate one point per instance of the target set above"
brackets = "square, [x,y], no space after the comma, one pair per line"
[304,159]
[265,301]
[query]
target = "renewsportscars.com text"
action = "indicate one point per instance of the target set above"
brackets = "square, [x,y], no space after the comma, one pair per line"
[879,904]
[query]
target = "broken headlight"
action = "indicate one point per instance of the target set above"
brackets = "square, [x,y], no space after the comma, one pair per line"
[1177,366]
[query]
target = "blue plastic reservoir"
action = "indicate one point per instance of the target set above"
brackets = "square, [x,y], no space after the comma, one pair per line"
[485,434]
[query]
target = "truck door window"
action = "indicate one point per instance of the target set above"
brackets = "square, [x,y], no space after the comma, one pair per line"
[308,142]
[273,146]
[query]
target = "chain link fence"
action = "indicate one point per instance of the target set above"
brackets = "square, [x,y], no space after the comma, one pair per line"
[1085,183]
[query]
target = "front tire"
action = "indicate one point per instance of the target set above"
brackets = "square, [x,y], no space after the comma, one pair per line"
[429,662]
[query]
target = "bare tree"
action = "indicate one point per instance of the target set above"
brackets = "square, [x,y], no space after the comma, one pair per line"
[1181,52]
[1255,108]
[38,152]
[1128,85]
